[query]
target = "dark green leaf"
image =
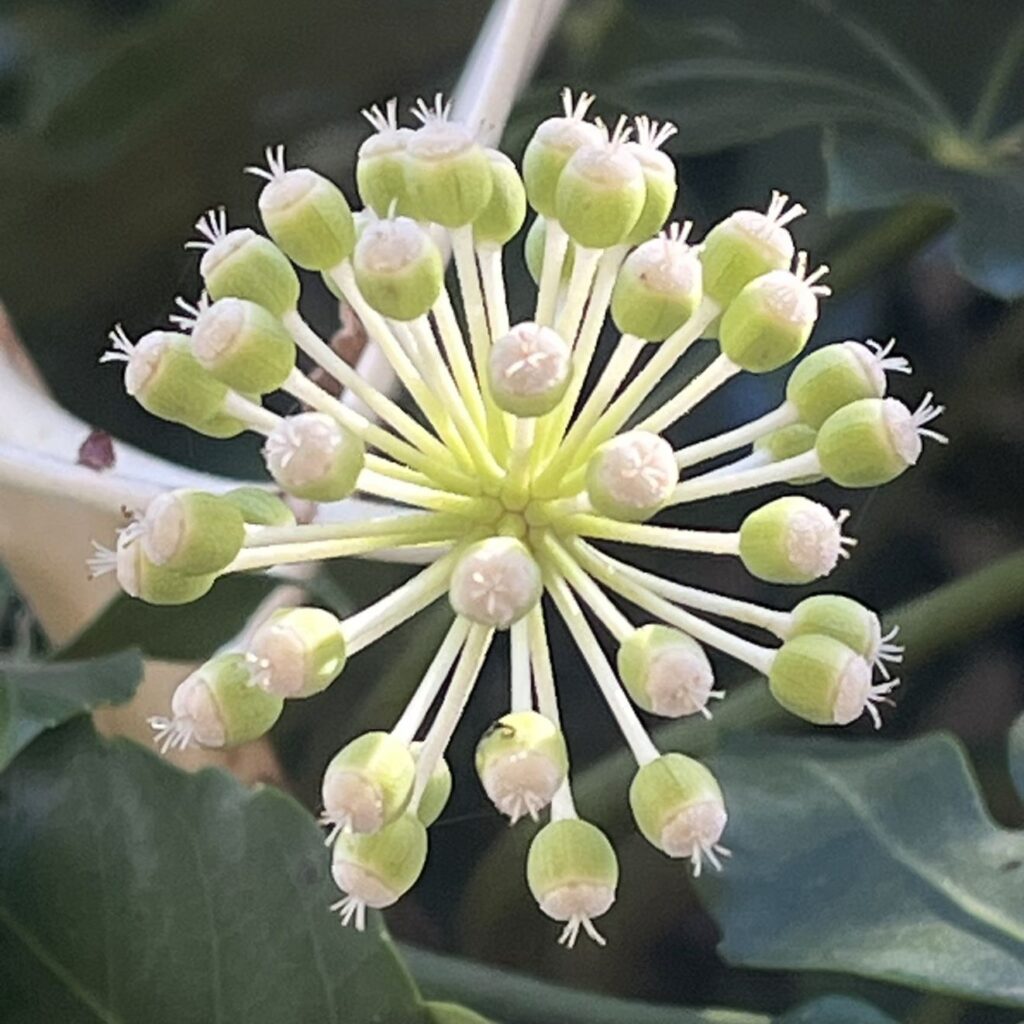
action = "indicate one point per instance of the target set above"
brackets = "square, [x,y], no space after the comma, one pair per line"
[835,1010]
[37,696]
[449,1013]
[1017,755]
[874,860]
[132,891]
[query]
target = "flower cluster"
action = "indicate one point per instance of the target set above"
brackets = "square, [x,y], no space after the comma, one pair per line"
[516,466]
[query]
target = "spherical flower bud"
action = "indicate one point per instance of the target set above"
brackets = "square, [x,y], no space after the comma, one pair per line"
[873,440]
[678,806]
[297,652]
[447,174]
[312,456]
[573,872]
[787,442]
[659,177]
[438,789]
[533,251]
[377,870]
[658,287]
[841,618]
[368,783]
[500,220]
[553,143]
[601,192]
[529,370]
[769,322]
[821,680]
[836,375]
[521,761]
[260,507]
[666,672]
[746,245]
[631,476]
[217,706]
[191,532]
[243,345]
[792,540]
[139,577]
[398,268]
[495,582]
[380,163]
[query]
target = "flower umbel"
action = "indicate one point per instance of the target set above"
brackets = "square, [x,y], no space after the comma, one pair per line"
[514,482]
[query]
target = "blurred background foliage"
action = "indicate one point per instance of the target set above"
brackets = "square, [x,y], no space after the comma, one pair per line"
[900,127]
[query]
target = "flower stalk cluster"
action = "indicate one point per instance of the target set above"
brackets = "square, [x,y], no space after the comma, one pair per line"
[520,469]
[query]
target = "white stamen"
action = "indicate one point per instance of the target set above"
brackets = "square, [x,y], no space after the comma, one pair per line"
[385,120]
[576,109]
[212,226]
[800,272]
[102,561]
[171,733]
[352,911]
[121,348]
[925,413]
[275,168]
[888,363]
[425,115]
[651,134]
[778,216]
[190,312]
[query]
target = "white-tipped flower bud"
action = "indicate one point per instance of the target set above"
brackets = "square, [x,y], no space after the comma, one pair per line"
[312,456]
[500,220]
[631,476]
[678,806]
[243,345]
[438,789]
[792,540]
[260,507]
[666,672]
[141,578]
[398,268]
[533,252]
[191,532]
[521,761]
[495,582]
[529,370]
[368,783]
[659,177]
[380,163]
[787,442]
[297,652]
[841,618]
[573,872]
[658,287]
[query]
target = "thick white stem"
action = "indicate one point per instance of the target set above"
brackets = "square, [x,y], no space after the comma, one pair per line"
[721,369]
[711,485]
[711,542]
[520,683]
[556,242]
[738,437]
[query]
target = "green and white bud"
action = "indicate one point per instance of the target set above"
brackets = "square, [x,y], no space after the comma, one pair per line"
[549,150]
[260,507]
[522,760]
[788,442]
[500,220]
[836,375]
[368,784]
[601,192]
[631,476]
[659,177]
[312,456]
[573,872]
[380,163]
[448,177]
[792,540]
[658,287]
[746,245]
[678,806]
[243,345]
[398,268]
[217,706]
[666,672]
[769,322]
[874,440]
[495,582]
[191,532]
[139,577]
[849,622]
[529,369]
[438,789]
[821,680]
[377,870]
[533,252]
[297,652]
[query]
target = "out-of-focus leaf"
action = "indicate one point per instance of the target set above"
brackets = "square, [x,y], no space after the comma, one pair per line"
[874,860]
[835,1010]
[37,696]
[449,1013]
[1017,755]
[132,891]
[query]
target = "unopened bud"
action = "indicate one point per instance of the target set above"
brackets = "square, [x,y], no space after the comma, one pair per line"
[841,618]
[312,456]
[529,370]
[380,163]
[139,577]
[500,220]
[260,507]
[631,476]
[788,442]
[659,177]
[297,652]
[666,671]
[191,532]
[533,252]
[438,789]
[495,582]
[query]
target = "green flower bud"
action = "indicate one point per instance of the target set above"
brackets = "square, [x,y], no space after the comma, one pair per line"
[260,507]
[873,440]
[850,623]
[191,532]
[377,870]
[141,578]
[533,251]
[221,426]
[398,268]
[500,220]
[522,760]
[746,245]
[312,456]
[573,872]
[792,540]
[529,370]
[600,193]
[659,177]
[787,442]
[243,345]
[380,163]
[495,582]
[769,322]
[823,681]
[297,652]
[438,789]
[678,806]
[666,672]
[631,476]
[658,287]
[368,783]
[447,174]
[550,148]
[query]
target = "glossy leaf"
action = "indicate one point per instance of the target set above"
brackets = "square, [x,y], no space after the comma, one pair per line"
[835,1010]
